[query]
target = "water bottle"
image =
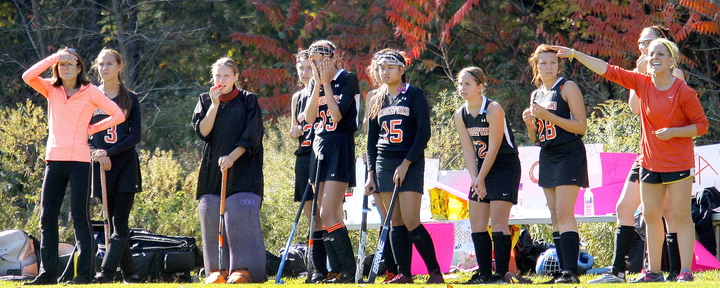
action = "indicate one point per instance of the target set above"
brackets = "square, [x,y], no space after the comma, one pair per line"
[520,196]
[589,205]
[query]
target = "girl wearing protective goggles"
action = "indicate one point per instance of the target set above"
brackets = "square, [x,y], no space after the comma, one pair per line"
[332,106]
[398,132]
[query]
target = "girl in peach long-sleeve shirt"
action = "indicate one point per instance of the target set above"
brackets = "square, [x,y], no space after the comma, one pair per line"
[72,100]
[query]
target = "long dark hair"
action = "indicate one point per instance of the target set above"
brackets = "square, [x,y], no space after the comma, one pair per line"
[82,78]
[381,92]
[123,97]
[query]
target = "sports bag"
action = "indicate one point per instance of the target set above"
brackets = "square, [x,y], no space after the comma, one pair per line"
[18,253]
[161,258]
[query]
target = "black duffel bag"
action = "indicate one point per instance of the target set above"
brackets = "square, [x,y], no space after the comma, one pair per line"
[161,258]
[157,258]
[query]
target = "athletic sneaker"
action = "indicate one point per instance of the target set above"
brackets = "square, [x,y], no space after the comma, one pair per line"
[607,278]
[513,278]
[436,278]
[477,279]
[133,279]
[567,278]
[497,278]
[239,276]
[389,276]
[400,279]
[685,276]
[341,279]
[647,276]
[219,277]
[555,276]
[317,277]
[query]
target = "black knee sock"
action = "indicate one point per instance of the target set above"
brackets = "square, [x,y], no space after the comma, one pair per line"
[503,245]
[623,242]
[556,241]
[340,240]
[673,251]
[401,249]
[320,254]
[424,244]
[389,259]
[483,252]
[570,246]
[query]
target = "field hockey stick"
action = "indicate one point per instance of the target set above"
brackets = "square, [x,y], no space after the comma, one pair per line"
[313,212]
[361,243]
[382,240]
[105,210]
[221,223]
[278,277]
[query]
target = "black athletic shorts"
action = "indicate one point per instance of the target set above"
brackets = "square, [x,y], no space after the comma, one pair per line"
[634,174]
[503,180]
[338,162]
[647,176]
[302,177]
[564,164]
[414,179]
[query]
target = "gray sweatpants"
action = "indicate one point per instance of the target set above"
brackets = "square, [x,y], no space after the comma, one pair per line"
[244,243]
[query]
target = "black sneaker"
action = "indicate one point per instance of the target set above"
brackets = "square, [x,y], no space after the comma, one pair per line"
[555,276]
[42,281]
[497,278]
[101,279]
[567,278]
[343,278]
[477,279]
[134,279]
[79,280]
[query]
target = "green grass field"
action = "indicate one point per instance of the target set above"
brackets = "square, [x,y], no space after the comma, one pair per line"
[704,279]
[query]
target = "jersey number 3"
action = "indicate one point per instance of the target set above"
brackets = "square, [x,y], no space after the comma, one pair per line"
[393,134]
[111,136]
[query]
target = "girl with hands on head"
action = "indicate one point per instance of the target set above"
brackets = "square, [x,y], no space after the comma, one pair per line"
[556,121]
[72,101]
[492,159]
[671,115]
[398,132]
[229,121]
[302,130]
[333,109]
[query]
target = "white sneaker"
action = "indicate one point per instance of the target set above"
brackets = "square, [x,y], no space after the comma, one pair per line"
[607,278]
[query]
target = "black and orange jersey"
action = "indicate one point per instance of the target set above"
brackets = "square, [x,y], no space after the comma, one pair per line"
[121,137]
[346,93]
[305,140]
[401,128]
[549,134]
[479,130]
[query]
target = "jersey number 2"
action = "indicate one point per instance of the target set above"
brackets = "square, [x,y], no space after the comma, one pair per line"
[481,149]
[546,130]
